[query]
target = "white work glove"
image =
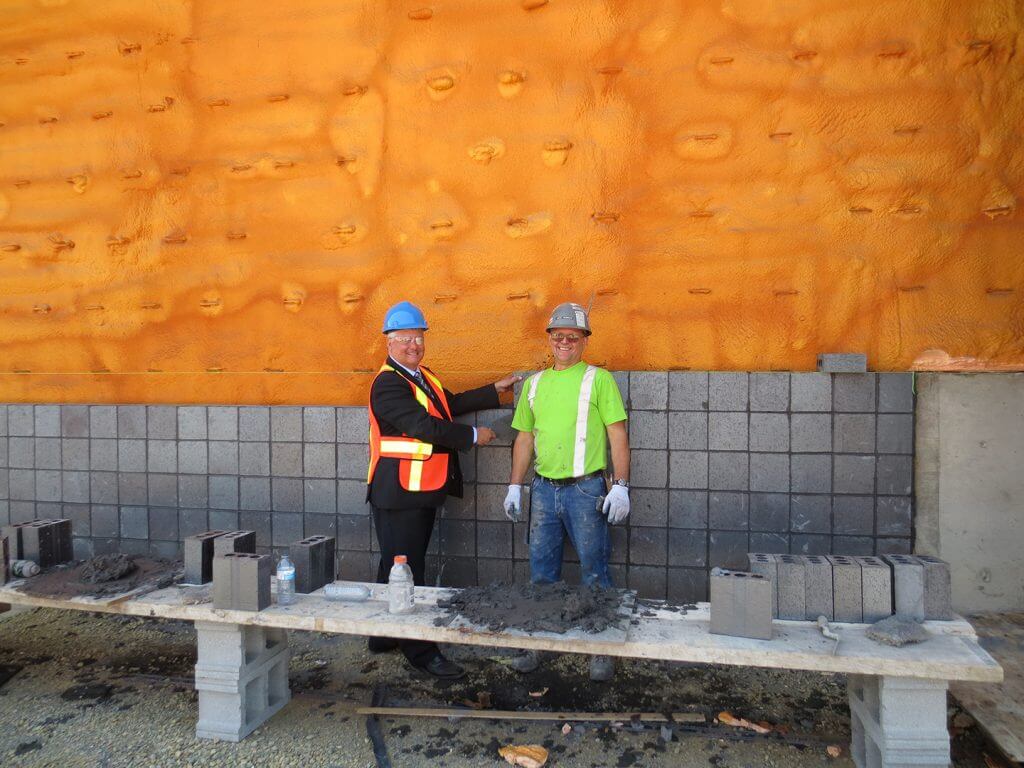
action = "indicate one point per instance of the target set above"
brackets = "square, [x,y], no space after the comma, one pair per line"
[513,505]
[616,504]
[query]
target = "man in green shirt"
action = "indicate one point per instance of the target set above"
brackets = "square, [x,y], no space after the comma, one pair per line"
[568,415]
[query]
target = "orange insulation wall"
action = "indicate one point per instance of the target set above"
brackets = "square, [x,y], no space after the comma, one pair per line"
[215,201]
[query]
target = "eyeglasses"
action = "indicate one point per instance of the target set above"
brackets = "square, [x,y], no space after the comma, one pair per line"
[563,338]
[417,340]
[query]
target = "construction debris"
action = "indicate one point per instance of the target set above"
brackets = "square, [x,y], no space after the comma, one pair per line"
[526,756]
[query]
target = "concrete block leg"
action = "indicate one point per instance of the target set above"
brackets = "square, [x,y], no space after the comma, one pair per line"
[897,722]
[241,678]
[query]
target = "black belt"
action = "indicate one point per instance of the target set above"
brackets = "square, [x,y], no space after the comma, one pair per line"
[571,480]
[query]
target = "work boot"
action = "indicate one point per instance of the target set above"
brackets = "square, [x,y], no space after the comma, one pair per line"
[602,668]
[525,662]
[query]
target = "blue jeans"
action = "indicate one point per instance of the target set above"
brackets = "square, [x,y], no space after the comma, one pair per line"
[576,509]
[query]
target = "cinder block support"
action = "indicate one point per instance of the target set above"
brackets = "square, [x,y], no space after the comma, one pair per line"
[791,589]
[907,586]
[741,604]
[241,678]
[876,588]
[938,604]
[765,565]
[897,722]
[818,588]
[847,590]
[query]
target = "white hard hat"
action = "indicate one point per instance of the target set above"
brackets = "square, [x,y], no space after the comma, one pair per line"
[570,315]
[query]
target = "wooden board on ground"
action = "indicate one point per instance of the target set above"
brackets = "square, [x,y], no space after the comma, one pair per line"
[681,718]
[999,709]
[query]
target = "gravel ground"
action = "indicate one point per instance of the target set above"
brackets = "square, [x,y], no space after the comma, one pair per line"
[100,690]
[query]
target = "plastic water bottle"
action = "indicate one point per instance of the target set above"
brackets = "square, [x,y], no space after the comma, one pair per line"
[285,581]
[400,586]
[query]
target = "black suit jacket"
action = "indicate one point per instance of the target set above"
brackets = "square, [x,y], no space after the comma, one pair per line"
[398,413]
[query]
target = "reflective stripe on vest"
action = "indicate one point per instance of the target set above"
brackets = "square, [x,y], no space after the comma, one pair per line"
[579,446]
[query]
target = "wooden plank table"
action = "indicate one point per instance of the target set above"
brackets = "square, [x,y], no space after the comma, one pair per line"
[897,695]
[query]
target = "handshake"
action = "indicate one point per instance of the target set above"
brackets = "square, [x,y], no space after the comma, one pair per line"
[616,504]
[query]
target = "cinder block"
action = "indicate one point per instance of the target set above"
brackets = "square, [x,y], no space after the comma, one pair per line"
[764,564]
[241,581]
[907,586]
[12,533]
[847,591]
[818,588]
[5,559]
[37,543]
[234,541]
[937,597]
[842,362]
[313,558]
[791,587]
[222,577]
[741,604]
[199,557]
[63,550]
[876,588]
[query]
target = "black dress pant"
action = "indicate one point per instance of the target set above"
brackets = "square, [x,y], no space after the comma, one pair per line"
[404,532]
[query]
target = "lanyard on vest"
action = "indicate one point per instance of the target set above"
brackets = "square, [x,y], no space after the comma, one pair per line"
[579,446]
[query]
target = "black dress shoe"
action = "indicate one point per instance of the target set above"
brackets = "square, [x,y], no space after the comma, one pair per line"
[441,668]
[381,644]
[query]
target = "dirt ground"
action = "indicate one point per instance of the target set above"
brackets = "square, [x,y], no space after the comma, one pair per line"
[81,689]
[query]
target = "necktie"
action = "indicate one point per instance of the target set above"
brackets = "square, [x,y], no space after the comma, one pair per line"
[419,379]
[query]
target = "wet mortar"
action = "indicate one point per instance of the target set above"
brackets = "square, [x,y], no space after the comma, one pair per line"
[102,576]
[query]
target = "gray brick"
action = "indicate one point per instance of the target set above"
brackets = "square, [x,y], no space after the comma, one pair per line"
[105,520]
[895,475]
[191,522]
[80,517]
[134,522]
[688,390]
[687,585]
[223,457]
[353,425]
[21,421]
[286,459]
[648,581]
[688,548]
[352,498]
[894,516]
[648,469]
[790,588]
[763,564]
[854,433]
[854,392]
[727,549]
[22,511]
[254,458]
[854,474]
[354,532]
[876,583]
[727,431]
[48,485]
[161,422]
[741,605]
[647,546]
[728,391]
[458,538]
[937,590]
[102,421]
[320,496]
[728,471]
[769,392]
[811,473]
[83,548]
[908,586]
[688,430]
[74,453]
[810,543]
[771,543]
[688,509]
[47,453]
[131,421]
[847,589]
[769,472]
[223,491]
[23,484]
[163,490]
[47,421]
[852,546]
[192,422]
[255,493]
[896,433]
[21,452]
[494,540]
[286,423]
[162,456]
[163,524]
[192,491]
[853,515]
[318,425]
[810,392]
[5,487]
[621,381]
[769,432]
[192,458]
[4,456]
[74,421]
[103,487]
[131,455]
[493,464]
[286,494]
[648,429]
[287,528]
[843,362]
[810,514]
[319,460]
[728,511]
[811,432]
[222,422]
[648,390]
[648,507]
[896,392]
[322,525]
[75,487]
[132,488]
[254,424]
[892,546]
[353,460]
[769,512]
[818,594]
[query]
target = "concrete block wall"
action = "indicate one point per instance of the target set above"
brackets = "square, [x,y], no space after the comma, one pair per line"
[722,464]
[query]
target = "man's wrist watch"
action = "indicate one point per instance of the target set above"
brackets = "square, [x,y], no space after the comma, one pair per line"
[622,482]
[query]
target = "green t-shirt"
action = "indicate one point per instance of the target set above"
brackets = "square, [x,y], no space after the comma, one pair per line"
[553,420]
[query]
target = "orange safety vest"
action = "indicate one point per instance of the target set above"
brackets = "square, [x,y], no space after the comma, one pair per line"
[419,468]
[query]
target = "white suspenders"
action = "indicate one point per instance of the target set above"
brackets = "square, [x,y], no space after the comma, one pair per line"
[579,452]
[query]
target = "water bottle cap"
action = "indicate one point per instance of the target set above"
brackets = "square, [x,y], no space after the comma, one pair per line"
[400,559]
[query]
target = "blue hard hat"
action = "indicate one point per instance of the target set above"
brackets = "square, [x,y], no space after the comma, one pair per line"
[404,316]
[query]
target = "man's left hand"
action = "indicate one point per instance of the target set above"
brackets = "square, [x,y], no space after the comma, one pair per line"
[506,384]
[616,504]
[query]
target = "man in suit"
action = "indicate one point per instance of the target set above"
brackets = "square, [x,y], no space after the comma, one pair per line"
[414,464]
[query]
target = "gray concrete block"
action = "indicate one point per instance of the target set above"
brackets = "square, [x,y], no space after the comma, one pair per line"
[854,392]
[688,430]
[895,475]
[319,460]
[741,604]
[75,487]
[47,421]
[728,549]
[198,554]
[103,421]
[818,588]
[769,432]
[249,579]
[648,429]
[5,558]
[254,423]
[853,474]
[764,564]
[286,459]
[320,496]
[842,362]
[896,433]
[876,583]
[21,421]
[163,490]
[728,511]
[854,433]
[74,453]
[192,422]
[853,515]
[852,546]
[728,391]
[493,464]
[161,422]
[23,484]
[769,392]
[687,548]
[287,496]
[131,421]
[648,469]
[286,423]
[21,452]
[648,546]
[728,471]
[687,585]
[769,512]
[847,590]
[319,424]
[791,587]
[162,456]
[648,390]
[38,543]
[893,516]
[223,491]
[769,472]
[937,591]
[648,506]
[896,392]
[688,390]
[313,558]
[47,453]
[811,473]
[810,392]
[224,457]
[254,459]
[48,485]
[222,422]
[234,541]
[74,421]
[908,586]
[163,524]
[688,509]
[728,431]
[810,432]
[352,498]
[134,522]
[810,514]
[810,544]
[353,425]
[12,533]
